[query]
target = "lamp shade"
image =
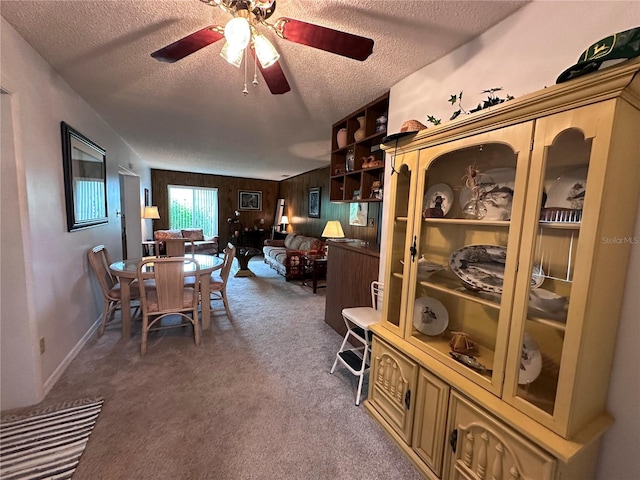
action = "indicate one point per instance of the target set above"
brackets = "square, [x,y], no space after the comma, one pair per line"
[333,229]
[151,213]
[284,220]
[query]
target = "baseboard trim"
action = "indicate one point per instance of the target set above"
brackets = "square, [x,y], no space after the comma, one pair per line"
[57,373]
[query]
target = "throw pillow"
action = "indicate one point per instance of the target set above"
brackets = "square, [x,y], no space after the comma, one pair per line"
[164,234]
[194,234]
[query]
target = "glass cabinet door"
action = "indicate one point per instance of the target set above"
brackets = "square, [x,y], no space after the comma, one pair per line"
[401,206]
[470,198]
[559,245]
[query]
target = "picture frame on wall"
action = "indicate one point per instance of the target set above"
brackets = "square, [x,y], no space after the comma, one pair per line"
[314,202]
[358,214]
[147,200]
[85,180]
[249,200]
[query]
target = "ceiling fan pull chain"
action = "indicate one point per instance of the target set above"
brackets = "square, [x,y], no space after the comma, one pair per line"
[255,71]
[245,91]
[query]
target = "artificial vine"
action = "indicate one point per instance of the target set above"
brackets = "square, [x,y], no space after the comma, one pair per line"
[492,99]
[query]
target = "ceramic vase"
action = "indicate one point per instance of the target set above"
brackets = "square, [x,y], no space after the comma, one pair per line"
[360,133]
[341,138]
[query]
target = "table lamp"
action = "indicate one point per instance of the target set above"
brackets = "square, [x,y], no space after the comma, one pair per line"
[333,229]
[151,213]
[284,221]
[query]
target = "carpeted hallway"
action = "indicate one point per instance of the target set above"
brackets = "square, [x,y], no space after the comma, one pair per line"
[254,401]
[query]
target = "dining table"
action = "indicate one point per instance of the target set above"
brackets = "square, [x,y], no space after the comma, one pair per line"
[127,271]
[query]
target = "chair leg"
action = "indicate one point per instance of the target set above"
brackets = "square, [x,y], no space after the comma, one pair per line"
[225,301]
[365,358]
[344,342]
[196,327]
[109,310]
[145,327]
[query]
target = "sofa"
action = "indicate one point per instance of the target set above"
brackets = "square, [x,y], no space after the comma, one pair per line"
[202,244]
[285,256]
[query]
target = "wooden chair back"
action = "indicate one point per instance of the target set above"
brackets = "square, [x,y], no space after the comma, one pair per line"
[227,263]
[169,294]
[100,261]
[176,247]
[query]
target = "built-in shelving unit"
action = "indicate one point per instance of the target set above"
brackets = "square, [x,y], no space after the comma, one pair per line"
[356,183]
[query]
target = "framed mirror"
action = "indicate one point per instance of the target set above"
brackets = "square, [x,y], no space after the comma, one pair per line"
[85,180]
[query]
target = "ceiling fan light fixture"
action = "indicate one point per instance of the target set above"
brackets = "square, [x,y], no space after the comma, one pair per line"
[265,51]
[232,55]
[264,4]
[238,33]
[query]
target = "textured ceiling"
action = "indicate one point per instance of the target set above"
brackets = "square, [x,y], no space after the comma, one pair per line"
[192,116]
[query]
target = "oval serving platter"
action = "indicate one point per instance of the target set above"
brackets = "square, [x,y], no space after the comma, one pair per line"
[481,267]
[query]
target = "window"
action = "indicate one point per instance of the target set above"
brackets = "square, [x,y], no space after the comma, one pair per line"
[194,207]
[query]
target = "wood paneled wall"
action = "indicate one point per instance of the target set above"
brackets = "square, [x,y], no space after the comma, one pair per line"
[350,270]
[228,188]
[295,191]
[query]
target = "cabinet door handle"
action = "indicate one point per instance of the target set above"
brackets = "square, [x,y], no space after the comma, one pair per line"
[413,250]
[453,440]
[407,399]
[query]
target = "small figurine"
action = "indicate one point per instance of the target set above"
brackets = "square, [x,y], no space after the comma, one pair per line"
[436,211]
[461,343]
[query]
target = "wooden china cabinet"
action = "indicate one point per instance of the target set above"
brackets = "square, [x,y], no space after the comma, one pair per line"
[510,230]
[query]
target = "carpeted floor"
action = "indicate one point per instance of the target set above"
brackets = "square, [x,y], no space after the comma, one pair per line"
[254,401]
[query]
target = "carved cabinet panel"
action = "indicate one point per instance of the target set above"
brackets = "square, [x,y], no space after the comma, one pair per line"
[392,380]
[482,448]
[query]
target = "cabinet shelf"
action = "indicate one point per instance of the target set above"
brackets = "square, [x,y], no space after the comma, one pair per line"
[452,287]
[368,181]
[467,222]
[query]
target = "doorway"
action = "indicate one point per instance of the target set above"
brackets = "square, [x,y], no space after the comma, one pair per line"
[130,217]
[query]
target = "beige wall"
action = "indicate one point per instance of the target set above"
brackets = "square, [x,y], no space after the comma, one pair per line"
[54,297]
[522,54]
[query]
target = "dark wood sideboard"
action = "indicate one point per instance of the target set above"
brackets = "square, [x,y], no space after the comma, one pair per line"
[351,268]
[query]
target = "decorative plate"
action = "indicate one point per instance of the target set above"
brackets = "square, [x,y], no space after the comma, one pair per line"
[568,190]
[530,360]
[497,187]
[430,316]
[481,267]
[438,197]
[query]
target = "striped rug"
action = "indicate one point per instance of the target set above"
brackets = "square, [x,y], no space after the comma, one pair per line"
[46,444]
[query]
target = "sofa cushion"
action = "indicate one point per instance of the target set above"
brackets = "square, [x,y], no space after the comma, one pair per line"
[193,234]
[288,241]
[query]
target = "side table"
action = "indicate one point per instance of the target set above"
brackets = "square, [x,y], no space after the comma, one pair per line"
[244,254]
[315,268]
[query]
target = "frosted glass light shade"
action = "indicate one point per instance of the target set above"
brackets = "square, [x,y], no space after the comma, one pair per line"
[238,33]
[333,229]
[151,213]
[265,51]
[231,55]
[284,220]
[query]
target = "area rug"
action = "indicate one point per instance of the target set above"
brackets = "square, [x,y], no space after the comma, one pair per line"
[46,443]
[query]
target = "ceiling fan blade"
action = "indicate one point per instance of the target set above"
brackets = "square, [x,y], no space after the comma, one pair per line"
[327,39]
[275,79]
[189,44]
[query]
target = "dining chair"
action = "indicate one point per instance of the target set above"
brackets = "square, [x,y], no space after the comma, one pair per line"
[170,296]
[218,287]
[109,284]
[177,247]
[355,356]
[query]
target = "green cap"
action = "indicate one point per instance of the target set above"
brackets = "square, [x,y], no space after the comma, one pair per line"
[619,45]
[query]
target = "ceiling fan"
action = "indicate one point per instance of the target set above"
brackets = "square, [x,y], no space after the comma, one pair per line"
[242,32]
